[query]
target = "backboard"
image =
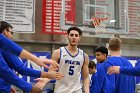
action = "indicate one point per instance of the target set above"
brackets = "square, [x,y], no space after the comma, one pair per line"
[79,12]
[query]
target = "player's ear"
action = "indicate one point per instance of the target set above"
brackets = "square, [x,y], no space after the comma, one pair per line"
[66,36]
[108,48]
[79,38]
[4,32]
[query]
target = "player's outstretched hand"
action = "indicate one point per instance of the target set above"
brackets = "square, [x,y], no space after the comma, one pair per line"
[113,70]
[42,62]
[13,90]
[41,82]
[52,74]
[36,89]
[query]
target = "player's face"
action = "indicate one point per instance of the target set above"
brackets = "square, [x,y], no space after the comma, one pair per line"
[74,38]
[8,33]
[100,57]
[92,71]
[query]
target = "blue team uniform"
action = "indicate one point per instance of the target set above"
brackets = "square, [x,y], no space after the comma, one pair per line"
[123,83]
[15,63]
[104,85]
[8,45]
[94,83]
[9,76]
[5,72]
[130,70]
[100,76]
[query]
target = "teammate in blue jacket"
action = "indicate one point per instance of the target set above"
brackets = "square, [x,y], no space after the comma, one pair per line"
[93,81]
[101,54]
[15,63]
[118,83]
[8,59]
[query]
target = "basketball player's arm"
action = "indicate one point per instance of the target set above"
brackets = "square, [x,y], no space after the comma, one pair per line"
[85,74]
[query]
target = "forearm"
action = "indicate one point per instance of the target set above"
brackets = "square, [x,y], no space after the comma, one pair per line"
[15,63]
[29,72]
[86,85]
[27,55]
[130,70]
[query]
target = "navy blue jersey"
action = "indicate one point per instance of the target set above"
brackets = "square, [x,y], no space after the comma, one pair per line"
[123,83]
[15,63]
[94,84]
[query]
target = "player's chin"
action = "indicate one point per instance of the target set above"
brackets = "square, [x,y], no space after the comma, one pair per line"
[73,44]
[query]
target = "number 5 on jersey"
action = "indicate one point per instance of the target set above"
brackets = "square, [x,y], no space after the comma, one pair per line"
[71,70]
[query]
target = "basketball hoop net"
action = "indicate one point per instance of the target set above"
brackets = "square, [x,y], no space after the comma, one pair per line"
[99,21]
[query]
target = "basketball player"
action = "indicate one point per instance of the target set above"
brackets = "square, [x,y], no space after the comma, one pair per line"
[117,83]
[72,62]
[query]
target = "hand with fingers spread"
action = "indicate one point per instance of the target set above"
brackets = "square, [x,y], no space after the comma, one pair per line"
[47,76]
[52,74]
[41,82]
[113,70]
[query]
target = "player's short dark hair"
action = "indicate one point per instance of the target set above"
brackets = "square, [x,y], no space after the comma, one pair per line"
[91,64]
[4,25]
[102,49]
[75,28]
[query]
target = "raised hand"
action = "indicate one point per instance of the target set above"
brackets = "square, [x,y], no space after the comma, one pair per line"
[41,82]
[52,74]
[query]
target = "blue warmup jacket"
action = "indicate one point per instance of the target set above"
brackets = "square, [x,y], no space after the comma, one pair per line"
[104,84]
[130,70]
[94,83]
[9,76]
[123,83]
[15,63]
[8,45]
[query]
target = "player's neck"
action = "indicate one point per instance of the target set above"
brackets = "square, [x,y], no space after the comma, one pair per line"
[71,48]
[115,53]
